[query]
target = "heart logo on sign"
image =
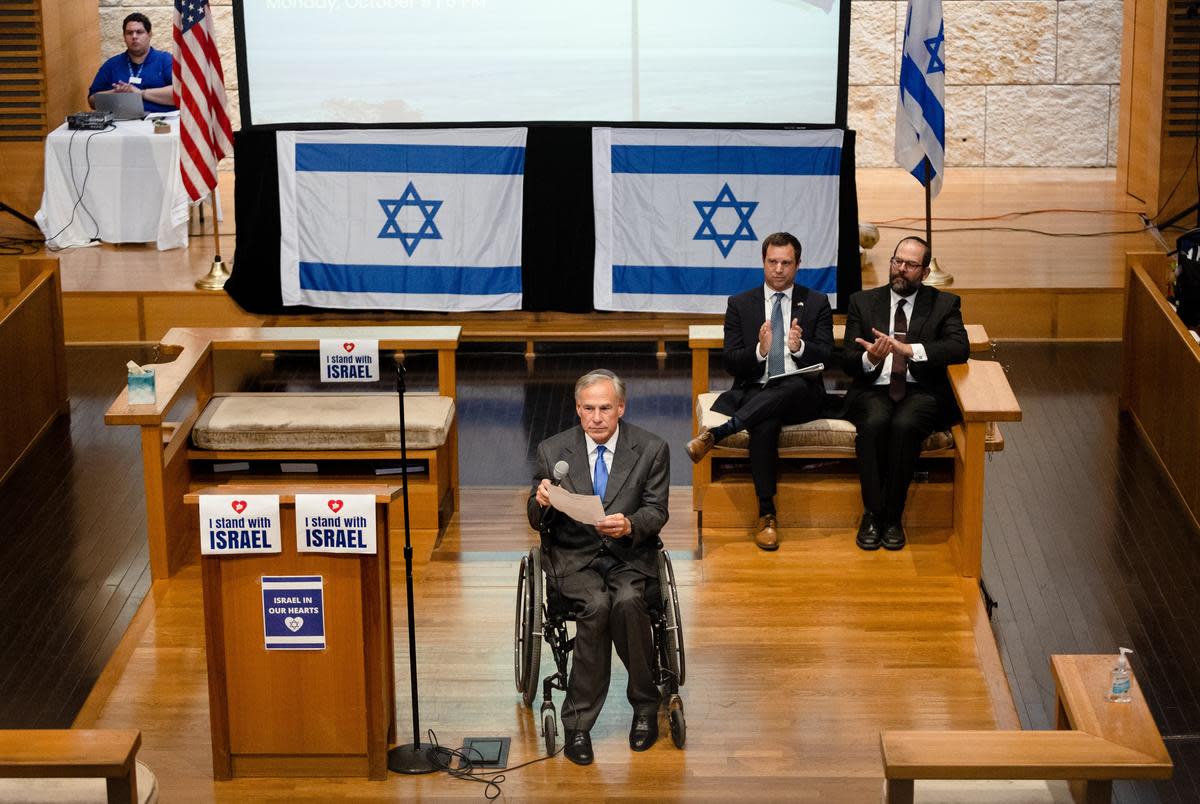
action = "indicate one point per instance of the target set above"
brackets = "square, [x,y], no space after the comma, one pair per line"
[349,347]
[239,505]
[294,623]
[335,505]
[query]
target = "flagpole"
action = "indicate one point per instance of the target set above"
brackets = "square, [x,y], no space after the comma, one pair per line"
[936,275]
[217,274]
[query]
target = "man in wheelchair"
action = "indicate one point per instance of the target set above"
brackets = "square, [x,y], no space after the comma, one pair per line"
[601,569]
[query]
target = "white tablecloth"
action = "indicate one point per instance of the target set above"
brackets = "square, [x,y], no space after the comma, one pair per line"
[130,183]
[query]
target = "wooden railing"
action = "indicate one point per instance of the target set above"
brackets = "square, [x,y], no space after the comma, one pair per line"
[110,754]
[1096,742]
[32,360]
[1160,388]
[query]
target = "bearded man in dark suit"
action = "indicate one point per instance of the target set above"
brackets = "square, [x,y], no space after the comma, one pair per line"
[771,331]
[899,340]
[602,568]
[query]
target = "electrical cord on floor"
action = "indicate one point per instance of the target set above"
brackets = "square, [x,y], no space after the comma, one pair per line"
[1020,230]
[491,778]
[1014,214]
[19,246]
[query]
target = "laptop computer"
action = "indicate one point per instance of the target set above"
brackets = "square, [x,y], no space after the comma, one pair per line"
[121,105]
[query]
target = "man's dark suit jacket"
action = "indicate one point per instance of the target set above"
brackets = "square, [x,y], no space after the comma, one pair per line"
[935,322]
[745,316]
[638,485]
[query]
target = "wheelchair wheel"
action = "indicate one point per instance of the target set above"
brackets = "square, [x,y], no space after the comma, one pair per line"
[527,636]
[677,720]
[674,636]
[549,728]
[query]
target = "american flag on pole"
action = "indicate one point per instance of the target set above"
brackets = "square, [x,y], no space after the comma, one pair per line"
[204,129]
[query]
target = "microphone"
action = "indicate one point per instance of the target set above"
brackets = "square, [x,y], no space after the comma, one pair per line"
[561,470]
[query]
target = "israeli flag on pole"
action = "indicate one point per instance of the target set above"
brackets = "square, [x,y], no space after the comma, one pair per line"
[921,108]
[681,213]
[402,220]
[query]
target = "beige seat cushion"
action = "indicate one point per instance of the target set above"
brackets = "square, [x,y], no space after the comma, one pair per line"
[817,436]
[70,791]
[325,421]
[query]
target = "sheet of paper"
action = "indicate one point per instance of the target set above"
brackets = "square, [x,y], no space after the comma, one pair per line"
[586,509]
[814,368]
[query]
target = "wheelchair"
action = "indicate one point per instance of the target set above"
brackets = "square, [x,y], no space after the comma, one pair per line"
[543,615]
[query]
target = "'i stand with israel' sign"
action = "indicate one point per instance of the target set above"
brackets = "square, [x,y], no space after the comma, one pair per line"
[349,360]
[293,612]
[335,523]
[232,524]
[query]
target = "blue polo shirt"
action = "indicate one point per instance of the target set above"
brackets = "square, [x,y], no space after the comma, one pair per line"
[155,71]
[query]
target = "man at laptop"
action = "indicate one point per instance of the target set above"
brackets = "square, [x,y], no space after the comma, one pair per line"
[140,69]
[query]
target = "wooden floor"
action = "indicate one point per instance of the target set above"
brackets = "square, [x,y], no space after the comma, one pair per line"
[1061,281]
[795,662]
[1085,549]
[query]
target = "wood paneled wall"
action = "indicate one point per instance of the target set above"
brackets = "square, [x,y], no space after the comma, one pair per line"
[1161,379]
[32,359]
[1157,117]
[49,61]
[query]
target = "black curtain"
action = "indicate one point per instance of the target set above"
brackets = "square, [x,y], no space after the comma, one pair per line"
[558,240]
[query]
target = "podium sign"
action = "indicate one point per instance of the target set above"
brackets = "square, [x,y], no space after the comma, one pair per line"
[293,612]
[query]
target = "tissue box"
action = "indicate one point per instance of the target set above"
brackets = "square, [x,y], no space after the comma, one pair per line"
[141,387]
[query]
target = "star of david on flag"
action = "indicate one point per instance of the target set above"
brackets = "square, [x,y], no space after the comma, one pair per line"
[392,227]
[920,107]
[420,219]
[680,213]
[708,229]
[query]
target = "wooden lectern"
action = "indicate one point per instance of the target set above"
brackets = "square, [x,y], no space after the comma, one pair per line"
[327,712]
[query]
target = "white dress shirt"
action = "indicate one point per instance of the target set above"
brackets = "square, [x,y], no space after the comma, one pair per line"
[918,355]
[610,447]
[789,357]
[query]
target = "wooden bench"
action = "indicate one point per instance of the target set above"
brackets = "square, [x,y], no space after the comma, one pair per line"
[1096,742]
[110,754]
[173,465]
[818,487]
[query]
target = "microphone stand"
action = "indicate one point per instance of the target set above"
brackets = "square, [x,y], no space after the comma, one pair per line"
[413,758]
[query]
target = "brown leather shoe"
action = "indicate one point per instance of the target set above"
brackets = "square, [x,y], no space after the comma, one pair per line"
[699,446]
[768,533]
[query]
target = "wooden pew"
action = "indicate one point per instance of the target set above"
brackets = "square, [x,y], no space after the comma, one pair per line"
[184,386]
[33,358]
[831,498]
[110,754]
[1096,742]
[1160,388]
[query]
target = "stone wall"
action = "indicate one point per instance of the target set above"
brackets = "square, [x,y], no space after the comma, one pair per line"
[1028,82]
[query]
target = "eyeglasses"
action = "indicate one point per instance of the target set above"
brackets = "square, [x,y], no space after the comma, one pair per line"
[908,265]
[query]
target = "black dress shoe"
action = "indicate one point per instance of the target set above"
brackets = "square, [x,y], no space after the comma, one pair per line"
[868,533]
[644,731]
[893,537]
[578,747]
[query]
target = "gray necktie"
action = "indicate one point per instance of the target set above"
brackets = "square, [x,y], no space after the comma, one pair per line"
[778,340]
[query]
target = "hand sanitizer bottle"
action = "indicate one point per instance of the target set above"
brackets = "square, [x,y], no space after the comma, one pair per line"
[1119,688]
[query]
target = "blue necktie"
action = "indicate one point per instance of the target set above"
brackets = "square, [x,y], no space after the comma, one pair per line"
[600,476]
[775,355]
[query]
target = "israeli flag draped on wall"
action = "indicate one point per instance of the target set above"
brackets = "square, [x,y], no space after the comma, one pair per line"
[404,220]
[921,108]
[681,213]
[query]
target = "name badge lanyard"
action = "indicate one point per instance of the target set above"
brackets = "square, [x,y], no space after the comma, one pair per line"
[135,77]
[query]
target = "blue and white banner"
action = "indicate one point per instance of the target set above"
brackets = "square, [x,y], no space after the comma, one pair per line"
[681,213]
[402,220]
[921,105]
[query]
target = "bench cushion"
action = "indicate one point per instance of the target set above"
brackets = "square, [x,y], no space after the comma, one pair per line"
[818,436]
[322,421]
